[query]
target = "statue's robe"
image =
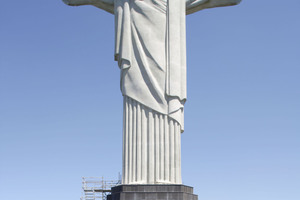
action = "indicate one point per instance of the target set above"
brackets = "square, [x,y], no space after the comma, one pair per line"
[151,54]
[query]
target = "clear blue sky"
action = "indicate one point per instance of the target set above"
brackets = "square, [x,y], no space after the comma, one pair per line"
[61,107]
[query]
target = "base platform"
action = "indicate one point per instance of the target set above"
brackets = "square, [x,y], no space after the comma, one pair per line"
[152,192]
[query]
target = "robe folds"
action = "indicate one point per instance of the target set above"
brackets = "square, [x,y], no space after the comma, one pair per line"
[150,50]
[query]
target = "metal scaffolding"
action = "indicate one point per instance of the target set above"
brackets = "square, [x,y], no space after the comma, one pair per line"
[95,188]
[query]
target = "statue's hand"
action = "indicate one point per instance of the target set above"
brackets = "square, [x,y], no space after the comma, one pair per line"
[218,3]
[196,5]
[78,2]
[107,5]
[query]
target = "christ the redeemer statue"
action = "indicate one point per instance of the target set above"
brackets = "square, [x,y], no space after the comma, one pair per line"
[150,48]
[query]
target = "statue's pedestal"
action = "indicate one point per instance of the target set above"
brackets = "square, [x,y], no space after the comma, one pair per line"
[152,192]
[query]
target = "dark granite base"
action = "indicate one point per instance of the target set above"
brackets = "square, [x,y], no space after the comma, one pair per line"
[152,192]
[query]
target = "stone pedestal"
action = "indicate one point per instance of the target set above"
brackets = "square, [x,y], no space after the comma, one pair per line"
[152,192]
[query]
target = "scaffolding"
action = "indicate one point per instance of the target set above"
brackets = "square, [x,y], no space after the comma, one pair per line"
[95,188]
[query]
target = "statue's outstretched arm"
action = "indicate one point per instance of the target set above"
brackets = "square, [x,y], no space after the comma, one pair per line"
[196,5]
[107,5]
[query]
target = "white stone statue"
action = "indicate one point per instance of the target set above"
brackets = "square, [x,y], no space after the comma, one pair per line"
[150,48]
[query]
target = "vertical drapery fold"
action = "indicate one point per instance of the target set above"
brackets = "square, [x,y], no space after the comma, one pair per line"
[151,146]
